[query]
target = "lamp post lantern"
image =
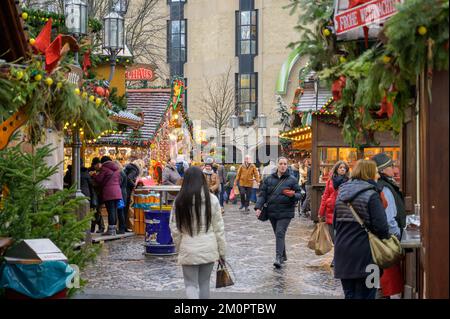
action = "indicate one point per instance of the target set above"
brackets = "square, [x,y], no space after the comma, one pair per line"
[75,12]
[113,37]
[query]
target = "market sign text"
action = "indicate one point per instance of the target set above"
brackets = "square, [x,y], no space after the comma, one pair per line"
[139,74]
[371,12]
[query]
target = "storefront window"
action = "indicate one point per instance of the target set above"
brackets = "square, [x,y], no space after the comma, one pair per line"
[330,155]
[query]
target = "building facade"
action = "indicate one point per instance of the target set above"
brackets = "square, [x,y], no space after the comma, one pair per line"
[207,38]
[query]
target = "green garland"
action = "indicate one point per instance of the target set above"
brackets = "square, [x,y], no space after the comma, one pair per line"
[415,38]
[50,101]
[36,19]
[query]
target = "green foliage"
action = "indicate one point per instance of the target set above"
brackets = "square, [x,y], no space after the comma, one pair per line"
[27,212]
[389,69]
[38,18]
[49,105]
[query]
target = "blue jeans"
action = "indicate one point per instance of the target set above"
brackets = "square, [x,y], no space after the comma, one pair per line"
[357,289]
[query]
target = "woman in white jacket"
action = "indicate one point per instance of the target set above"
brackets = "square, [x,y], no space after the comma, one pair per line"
[198,232]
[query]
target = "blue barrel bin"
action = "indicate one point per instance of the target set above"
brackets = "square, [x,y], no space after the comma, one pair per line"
[158,239]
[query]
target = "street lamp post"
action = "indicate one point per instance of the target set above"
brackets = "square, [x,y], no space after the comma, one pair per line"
[76,23]
[113,34]
[248,121]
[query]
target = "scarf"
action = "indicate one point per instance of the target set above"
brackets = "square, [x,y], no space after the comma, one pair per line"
[339,180]
[205,171]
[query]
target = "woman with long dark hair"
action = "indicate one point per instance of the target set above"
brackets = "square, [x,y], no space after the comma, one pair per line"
[198,232]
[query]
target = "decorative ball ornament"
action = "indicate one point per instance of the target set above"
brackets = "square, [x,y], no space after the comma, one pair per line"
[38,77]
[32,41]
[98,101]
[326,32]
[84,95]
[422,30]
[24,15]
[59,85]
[19,75]
[77,91]
[386,59]
[92,98]
[342,59]
[49,81]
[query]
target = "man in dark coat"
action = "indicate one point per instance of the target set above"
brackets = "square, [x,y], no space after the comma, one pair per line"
[391,191]
[279,194]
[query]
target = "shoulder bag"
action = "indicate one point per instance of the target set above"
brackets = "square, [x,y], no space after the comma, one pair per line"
[385,252]
[264,216]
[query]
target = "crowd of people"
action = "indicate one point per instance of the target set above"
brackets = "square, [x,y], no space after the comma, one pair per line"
[107,183]
[278,190]
[370,187]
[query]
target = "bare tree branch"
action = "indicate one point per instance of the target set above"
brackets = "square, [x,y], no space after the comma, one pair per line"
[219,101]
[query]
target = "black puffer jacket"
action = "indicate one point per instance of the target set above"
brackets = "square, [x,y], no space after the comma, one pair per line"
[280,206]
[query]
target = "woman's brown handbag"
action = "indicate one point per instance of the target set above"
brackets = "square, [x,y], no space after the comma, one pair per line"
[223,278]
[385,252]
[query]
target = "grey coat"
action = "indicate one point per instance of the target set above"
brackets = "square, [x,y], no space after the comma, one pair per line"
[170,175]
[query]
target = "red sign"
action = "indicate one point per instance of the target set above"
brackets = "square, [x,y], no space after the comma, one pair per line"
[371,12]
[139,74]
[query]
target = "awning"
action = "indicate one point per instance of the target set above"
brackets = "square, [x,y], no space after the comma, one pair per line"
[310,100]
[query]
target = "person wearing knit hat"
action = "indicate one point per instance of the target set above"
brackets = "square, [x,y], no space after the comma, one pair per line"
[396,206]
[391,281]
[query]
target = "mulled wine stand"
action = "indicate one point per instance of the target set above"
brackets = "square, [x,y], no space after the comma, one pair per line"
[158,239]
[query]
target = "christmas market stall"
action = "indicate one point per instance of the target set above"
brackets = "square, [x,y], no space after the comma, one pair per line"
[317,129]
[386,62]
[40,90]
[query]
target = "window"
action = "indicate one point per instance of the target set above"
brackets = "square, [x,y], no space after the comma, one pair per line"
[247,32]
[330,155]
[177,41]
[247,97]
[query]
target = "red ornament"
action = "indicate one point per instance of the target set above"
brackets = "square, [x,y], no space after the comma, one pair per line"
[99,91]
[44,38]
[337,87]
[387,107]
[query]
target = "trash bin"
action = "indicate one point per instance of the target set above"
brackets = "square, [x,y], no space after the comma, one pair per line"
[35,268]
[158,239]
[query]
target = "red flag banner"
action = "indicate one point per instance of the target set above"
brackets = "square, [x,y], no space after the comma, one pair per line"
[371,12]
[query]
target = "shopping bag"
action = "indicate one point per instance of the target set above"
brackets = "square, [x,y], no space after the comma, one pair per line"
[232,195]
[223,278]
[323,240]
[236,190]
[313,239]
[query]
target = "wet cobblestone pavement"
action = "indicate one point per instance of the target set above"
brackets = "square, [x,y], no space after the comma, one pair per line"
[251,246]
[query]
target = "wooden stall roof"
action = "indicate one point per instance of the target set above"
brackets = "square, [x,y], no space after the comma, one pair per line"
[13,41]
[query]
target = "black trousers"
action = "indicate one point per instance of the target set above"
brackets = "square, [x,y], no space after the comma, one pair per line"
[280,227]
[245,193]
[357,289]
[111,207]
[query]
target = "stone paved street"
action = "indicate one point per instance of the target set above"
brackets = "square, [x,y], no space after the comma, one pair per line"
[122,265]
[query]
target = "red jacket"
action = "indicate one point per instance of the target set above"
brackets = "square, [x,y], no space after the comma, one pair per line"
[328,202]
